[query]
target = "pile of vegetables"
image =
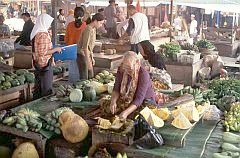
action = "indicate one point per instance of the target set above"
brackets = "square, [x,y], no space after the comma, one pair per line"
[230,146]
[59,69]
[205,44]
[169,50]
[188,46]
[17,78]
[232,118]
[24,119]
[220,90]
[51,120]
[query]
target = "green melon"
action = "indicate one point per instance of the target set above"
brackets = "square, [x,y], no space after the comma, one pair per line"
[89,93]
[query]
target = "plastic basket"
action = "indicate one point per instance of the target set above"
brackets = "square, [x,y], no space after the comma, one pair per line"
[68,53]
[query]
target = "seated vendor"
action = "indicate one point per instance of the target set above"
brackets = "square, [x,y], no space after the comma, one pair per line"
[24,38]
[132,86]
[4,29]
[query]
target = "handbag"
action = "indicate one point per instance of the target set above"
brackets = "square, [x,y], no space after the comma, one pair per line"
[146,136]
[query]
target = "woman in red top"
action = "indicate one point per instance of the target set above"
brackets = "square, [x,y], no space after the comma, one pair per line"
[42,54]
[75,28]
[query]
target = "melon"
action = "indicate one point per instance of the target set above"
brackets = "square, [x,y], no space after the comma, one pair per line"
[155,121]
[76,96]
[181,122]
[25,150]
[191,113]
[163,113]
[89,93]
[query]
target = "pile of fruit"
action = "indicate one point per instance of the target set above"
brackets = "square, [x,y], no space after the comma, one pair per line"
[232,118]
[24,119]
[230,146]
[104,77]
[51,120]
[157,85]
[17,78]
[64,90]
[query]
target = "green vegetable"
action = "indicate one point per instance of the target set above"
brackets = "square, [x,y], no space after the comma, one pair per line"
[205,44]
[231,138]
[230,147]
[219,155]
[21,72]
[169,50]
[89,93]
[30,77]
[15,83]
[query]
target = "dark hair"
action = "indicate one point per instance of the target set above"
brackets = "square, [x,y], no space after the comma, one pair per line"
[26,14]
[78,13]
[131,7]
[2,17]
[111,1]
[60,10]
[100,10]
[98,17]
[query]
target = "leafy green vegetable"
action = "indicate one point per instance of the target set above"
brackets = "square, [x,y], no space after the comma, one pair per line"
[205,44]
[169,50]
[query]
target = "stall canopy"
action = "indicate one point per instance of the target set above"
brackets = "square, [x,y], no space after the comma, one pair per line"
[219,5]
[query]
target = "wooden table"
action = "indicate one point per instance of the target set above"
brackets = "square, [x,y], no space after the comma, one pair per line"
[110,62]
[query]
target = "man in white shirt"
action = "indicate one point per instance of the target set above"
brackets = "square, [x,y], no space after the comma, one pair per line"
[193,27]
[138,30]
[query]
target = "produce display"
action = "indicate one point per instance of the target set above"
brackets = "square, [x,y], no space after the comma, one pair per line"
[157,85]
[17,78]
[181,122]
[230,146]
[104,77]
[51,120]
[232,118]
[188,46]
[24,119]
[152,118]
[205,44]
[59,69]
[89,93]
[169,50]
[223,91]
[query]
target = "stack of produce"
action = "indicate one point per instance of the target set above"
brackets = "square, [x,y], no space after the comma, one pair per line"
[24,119]
[204,44]
[232,118]
[230,146]
[13,79]
[221,91]
[59,69]
[188,46]
[169,50]
[63,92]
[51,120]
[104,77]
[197,94]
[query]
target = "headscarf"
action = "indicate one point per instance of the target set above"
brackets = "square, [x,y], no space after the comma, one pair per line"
[130,67]
[43,23]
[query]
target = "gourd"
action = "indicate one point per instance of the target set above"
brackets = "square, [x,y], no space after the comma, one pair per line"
[74,128]
[219,155]
[76,96]
[181,122]
[151,118]
[230,147]
[25,150]
[89,93]
[231,138]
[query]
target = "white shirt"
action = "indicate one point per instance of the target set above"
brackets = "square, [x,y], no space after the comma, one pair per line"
[141,31]
[193,27]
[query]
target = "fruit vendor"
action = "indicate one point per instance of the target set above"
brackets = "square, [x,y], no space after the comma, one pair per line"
[132,86]
[42,54]
[85,47]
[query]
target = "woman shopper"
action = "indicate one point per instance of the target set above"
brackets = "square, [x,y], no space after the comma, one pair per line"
[72,36]
[42,54]
[85,47]
[132,86]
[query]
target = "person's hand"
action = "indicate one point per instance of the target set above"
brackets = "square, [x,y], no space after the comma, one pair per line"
[123,115]
[58,49]
[93,61]
[113,107]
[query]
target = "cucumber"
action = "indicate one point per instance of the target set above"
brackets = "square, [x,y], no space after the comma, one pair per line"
[231,138]
[230,147]
[219,155]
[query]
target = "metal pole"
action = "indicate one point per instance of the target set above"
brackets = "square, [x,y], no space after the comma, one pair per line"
[54,24]
[171,19]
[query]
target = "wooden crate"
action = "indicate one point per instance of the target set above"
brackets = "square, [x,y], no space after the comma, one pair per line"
[23,59]
[184,73]
[14,96]
[227,49]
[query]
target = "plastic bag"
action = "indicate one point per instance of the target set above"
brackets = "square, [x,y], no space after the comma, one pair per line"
[212,113]
[146,136]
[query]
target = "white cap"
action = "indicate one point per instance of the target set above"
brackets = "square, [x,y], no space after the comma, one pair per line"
[192,15]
